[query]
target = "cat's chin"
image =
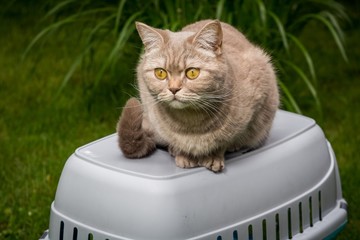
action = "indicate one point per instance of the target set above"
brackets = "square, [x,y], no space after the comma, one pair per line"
[176,104]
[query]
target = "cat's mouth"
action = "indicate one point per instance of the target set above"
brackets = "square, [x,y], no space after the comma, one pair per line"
[178,103]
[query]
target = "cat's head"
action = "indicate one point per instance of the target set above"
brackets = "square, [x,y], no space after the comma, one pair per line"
[183,69]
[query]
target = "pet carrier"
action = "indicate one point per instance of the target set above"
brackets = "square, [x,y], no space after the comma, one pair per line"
[287,189]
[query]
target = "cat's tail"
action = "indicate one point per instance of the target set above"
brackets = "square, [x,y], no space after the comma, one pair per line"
[134,141]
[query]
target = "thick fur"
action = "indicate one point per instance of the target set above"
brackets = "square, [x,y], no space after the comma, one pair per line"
[134,141]
[229,106]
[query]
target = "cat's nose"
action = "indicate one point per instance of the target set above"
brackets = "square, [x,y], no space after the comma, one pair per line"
[174,90]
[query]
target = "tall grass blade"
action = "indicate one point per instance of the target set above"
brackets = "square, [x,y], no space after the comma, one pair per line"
[61,23]
[72,69]
[332,30]
[262,12]
[118,15]
[125,33]
[46,31]
[199,12]
[335,23]
[337,8]
[281,30]
[58,7]
[306,80]
[219,9]
[290,101]
[171,14]
[97,28]
[306,55]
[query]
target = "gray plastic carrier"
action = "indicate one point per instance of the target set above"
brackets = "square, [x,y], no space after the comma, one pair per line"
[287,189]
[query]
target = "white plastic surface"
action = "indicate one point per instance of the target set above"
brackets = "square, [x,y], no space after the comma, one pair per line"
[110,197]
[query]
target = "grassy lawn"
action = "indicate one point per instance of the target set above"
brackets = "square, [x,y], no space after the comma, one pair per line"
[340,91]
[39,130]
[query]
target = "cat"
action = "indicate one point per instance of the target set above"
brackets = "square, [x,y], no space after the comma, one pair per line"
[204,90]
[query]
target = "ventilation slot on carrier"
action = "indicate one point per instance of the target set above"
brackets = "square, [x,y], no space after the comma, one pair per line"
[301,228]
[310,212]
[289,223]
[90,236]
[277,226]
[320,210]
[61,234]
[250,232]
[235,235]
[75,233]
[264,229]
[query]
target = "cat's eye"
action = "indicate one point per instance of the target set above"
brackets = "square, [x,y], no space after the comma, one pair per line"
[192,73]
[160,73]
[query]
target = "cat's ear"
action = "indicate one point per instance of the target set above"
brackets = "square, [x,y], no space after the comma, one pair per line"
[151,37]
[210,37]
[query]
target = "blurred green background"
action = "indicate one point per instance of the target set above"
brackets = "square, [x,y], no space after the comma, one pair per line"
[67,67]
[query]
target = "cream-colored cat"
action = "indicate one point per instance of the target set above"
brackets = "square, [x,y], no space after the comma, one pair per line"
[204,90]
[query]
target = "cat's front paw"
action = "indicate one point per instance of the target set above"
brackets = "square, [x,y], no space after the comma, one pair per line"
[184,162]
[213,163]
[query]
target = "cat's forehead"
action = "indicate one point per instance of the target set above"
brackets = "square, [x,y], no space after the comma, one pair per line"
[178,40]
[174,55]
[179,37]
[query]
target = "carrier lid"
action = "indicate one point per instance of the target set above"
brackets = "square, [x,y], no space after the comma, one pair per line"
[106,153]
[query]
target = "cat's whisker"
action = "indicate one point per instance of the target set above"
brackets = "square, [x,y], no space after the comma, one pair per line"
[218,116]
[213,110]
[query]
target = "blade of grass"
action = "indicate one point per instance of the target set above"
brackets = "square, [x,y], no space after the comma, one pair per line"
[96,36]
[125,33]
[291,103]
[58,7]
[306,80]
[181,7]
[198,13]
[97,28]
[332,30]
[61,23]
[118,15]
[332,6]
[171,13]
[306,55]
[219,9]
[262,11]
[72,69]
[281,30]
[79,59]
[335,23]
[45,31]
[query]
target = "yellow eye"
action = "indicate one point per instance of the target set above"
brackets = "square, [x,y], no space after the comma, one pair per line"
[192,73]
[160,73]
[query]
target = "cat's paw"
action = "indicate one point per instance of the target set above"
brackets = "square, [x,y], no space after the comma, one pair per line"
[184,162]
[213,163]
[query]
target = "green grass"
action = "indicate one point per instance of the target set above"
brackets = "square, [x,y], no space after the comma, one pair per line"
[107,32]
[39,131]
[340,91]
